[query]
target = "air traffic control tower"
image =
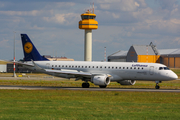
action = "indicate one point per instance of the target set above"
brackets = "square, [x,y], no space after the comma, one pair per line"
[88,23]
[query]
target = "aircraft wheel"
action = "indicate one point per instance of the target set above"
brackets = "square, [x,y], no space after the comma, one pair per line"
[85,85]
[157,87]
[102,86]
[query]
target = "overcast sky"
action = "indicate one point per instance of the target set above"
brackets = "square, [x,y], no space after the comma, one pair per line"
[52,25]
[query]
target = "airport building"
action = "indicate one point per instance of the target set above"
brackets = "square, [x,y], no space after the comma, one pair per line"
[58,58]
[3,68]
[149,54]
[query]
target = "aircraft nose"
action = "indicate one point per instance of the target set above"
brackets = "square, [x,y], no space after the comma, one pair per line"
[173,76]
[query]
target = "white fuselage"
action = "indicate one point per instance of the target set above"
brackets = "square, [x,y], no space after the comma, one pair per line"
[117,70]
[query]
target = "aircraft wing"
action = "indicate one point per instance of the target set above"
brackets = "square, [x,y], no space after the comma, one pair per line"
[25,64]
[18,63]
[63,71]
[69,72]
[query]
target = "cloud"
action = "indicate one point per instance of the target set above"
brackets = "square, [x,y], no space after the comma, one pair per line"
[167,4]
[122,5]
[136,4]
[105,6]
[143,14]
[3,42]
[121,23]
[175,21]
[67,19]
[21,13]
[35,27]
[142,3]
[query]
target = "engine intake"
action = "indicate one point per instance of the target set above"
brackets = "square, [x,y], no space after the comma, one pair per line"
[127,82]
[103,80]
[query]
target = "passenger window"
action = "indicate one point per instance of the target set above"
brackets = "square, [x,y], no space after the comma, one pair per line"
[119,67]
[52,65]
[59,66]
[127,67]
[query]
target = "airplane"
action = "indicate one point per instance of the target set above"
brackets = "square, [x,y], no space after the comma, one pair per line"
[98,73]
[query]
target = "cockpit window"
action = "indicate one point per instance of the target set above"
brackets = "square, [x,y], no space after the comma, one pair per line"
[163,68]
[166,68]
[160,68]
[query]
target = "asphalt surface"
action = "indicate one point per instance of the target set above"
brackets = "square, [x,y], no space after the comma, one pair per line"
[74,88]
[87,89]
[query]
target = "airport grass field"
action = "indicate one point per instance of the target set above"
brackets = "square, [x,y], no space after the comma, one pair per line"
[80,105]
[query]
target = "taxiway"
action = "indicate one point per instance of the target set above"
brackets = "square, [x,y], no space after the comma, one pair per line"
[87,89]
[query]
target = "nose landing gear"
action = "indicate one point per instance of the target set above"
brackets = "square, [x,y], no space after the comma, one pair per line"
[157,84]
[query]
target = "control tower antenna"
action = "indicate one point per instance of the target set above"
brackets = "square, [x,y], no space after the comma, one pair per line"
[88,23]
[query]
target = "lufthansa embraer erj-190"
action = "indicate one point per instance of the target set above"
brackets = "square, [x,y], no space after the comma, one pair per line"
[99,73]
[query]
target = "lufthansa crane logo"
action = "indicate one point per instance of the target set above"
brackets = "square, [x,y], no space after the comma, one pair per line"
[28,47]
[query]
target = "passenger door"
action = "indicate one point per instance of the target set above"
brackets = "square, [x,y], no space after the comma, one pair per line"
[48,66]
[151,70]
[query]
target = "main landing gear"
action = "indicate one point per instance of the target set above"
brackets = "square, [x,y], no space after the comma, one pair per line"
[85,85]
[157,84]
[102,86]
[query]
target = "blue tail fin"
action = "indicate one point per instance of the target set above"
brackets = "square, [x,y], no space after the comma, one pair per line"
[30,51]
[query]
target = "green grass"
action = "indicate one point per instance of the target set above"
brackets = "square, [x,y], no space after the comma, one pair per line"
[80,105]
[40,81]
[175,84]
[90,105]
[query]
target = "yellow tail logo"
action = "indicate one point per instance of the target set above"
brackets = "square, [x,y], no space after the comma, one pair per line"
[28,47]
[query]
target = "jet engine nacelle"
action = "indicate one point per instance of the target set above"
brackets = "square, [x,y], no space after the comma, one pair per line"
[127,82]
[102,80]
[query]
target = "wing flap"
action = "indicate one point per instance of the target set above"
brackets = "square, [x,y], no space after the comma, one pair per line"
[69,72]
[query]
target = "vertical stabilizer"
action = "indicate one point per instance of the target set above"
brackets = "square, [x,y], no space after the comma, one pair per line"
[30,51]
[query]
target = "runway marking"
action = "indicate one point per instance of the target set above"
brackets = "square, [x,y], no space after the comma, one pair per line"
[87,89]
